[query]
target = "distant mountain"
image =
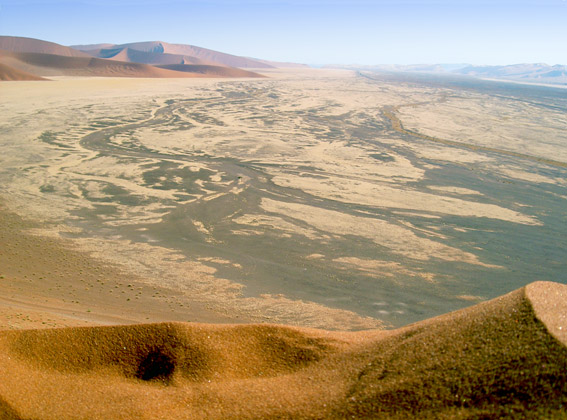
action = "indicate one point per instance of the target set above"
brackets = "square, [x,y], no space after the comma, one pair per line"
[419,68]
[27,58]
[529,73]
[522,72]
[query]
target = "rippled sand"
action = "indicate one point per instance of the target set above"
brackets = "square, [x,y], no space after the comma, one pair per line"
[295,199]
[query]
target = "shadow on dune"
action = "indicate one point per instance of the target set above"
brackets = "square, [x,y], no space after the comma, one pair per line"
[7,412]
[506,358]
[494,360]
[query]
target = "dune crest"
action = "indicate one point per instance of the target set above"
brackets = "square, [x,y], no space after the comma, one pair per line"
[32,45]
[502,358]
[54,65]
[162,53]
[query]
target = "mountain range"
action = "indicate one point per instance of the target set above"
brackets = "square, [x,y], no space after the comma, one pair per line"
[34,59]
[526,72]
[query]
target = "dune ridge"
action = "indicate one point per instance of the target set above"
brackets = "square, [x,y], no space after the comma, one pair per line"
[32,45]
[55,65]
[30,59]
[158,52]
[38,64]
[503,358]
[146,57]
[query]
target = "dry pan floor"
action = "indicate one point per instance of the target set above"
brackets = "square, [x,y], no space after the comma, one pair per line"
[506,358]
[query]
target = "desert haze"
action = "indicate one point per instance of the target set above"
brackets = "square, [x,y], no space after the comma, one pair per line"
[188,234]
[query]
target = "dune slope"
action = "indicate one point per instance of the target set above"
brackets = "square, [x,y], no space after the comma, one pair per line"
[153,52]
[37,64]
[8,73]
[145,57]
[503,358]
[56,65]
[211,70]
[32,45]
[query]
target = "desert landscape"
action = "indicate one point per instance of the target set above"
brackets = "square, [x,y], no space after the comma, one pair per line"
[162,227]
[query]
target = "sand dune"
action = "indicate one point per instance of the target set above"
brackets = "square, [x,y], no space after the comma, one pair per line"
[283,65]
[31,45]
[503,358]
[29,59]
[146,57]
[8,73]
[152,53]
[54,65]
[220,71]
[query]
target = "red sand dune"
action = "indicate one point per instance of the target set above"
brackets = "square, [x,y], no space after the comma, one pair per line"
[220,71]
[54,65]
[150,52]
[31,45]
[283,65]
[28,59]
[8,73]
[506,358]
[154,58]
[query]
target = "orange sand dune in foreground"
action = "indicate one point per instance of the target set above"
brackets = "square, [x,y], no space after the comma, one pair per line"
[502,358]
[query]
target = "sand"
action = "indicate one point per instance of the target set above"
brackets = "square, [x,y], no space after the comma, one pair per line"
[26,58]
[8,73]
[506,358]
[69,353]
[29,59]
[54,65]
[32,45]
[158,52]
[46,284]
[108,327]
[210,70]
[222,189]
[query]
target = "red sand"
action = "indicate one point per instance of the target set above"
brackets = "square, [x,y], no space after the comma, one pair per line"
[150,52]
[54,65]
[8,73]
[219,71]
[32,45]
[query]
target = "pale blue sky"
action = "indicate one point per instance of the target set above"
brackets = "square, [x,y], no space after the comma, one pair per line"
[312,31]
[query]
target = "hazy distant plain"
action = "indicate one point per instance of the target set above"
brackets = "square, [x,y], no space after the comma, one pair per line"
[297,199]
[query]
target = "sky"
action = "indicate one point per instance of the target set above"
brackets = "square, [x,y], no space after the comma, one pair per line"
[314,32]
